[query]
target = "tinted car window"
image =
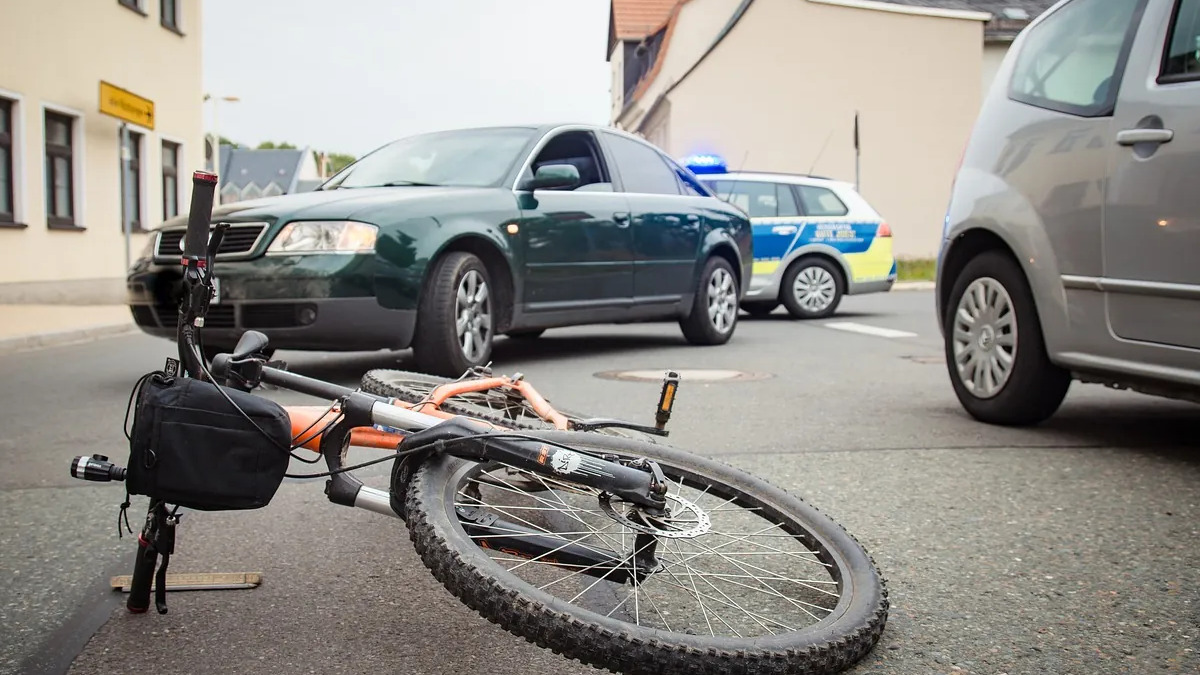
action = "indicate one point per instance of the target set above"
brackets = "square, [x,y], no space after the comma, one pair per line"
[819,201]
[758,199]
[641,168]
[1072,61]
[1182,60]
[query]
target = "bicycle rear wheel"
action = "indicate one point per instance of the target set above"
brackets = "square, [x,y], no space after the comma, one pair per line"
[741,578]
[492,405]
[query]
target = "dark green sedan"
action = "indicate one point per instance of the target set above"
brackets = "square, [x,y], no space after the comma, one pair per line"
[441,241]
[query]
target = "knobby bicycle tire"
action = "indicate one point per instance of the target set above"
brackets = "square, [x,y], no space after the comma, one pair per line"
[844,637]
[395,383]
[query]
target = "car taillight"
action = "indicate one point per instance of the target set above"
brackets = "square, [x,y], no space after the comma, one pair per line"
[884,230]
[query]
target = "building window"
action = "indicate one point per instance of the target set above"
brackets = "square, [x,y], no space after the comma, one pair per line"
[1182,61]
[170,184]
[135,5]
[60,170]
[131,180]
[8,209]
[169,10]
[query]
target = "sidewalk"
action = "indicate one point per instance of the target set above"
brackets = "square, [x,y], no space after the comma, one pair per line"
[32,326]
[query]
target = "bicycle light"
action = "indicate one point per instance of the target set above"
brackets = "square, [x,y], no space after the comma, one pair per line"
[666,399]
[96,468]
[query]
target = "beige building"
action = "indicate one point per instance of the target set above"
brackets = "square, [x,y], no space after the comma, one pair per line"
[62,188]
[775,85]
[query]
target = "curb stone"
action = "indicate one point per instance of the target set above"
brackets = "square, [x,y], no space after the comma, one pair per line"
[66,337]
[913,286]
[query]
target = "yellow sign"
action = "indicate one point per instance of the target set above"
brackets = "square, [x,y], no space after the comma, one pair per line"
[126,105]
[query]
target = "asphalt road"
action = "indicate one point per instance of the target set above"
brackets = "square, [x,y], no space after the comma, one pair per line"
[1070,548]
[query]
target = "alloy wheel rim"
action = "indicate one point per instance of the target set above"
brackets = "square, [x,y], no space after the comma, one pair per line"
[473,316]
[985,337]
[722,300]
[814,288]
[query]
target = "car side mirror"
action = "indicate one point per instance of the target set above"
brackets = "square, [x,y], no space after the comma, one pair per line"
[553,176]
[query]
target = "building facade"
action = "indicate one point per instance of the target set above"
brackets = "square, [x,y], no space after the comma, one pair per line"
[776,85]
[67,181]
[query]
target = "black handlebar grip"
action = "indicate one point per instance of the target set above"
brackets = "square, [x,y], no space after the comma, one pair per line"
[143,574]
[195,242]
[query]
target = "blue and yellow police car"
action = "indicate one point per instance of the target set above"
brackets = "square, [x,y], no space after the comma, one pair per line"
[815,239]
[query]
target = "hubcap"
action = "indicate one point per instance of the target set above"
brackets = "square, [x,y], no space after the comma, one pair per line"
[722,300]
[814,288]
[472,309]
[985,337]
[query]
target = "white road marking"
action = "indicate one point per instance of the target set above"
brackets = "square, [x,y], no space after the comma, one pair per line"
[869,330]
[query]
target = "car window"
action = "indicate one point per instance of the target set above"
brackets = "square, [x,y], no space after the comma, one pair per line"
[577,148]
[642,169]
[819,201]
[1182,59]
[758,199]
[691,186]
[471,157]
[1073,60]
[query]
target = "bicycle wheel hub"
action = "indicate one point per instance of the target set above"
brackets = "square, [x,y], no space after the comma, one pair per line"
[685,519]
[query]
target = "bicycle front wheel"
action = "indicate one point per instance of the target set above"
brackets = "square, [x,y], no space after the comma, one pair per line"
[741,577]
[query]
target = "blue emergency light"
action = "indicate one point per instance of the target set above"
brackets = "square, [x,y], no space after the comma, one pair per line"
[699,164]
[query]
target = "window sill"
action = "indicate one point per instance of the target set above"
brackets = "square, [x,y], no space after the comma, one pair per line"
[66,227]
[174,29]
[10,225]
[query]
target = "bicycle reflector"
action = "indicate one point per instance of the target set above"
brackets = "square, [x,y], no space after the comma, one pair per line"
[666,399]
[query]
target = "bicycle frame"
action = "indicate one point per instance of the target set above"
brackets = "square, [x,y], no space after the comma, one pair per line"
[306,418]
[356,418]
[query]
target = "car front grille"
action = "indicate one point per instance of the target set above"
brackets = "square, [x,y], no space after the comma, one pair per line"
[219,316]
[239,240]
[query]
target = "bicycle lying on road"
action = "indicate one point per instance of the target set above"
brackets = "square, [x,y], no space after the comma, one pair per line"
[580,535]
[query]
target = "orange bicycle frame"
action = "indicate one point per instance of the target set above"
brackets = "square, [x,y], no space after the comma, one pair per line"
[309,421]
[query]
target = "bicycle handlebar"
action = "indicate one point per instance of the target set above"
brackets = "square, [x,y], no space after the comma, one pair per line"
[195,241]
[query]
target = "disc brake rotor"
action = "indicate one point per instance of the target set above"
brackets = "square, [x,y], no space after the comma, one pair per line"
[686,520]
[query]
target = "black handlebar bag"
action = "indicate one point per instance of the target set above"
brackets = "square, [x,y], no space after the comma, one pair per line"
[190,447]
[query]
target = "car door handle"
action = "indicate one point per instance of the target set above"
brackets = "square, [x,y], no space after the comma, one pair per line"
[1135,136]
[621,219]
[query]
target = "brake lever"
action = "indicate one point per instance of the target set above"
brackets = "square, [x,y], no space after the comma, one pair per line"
[214,245]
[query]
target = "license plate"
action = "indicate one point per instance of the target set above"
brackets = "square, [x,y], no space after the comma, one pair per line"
[216,294]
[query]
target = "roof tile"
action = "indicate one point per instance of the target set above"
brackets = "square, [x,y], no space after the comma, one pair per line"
[635,19]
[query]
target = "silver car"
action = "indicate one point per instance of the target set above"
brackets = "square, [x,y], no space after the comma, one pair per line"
[1071,248]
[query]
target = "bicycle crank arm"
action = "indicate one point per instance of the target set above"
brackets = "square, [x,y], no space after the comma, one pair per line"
[454,436]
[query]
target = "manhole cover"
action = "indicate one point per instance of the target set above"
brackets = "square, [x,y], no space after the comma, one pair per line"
[697,375]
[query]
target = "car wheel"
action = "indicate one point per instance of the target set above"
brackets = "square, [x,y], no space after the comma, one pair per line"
[759,309]
[715,306]
[812,288]
[995,352]
[455,324]
[526,334]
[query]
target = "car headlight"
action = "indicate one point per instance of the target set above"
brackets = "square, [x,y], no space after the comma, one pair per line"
[325,236]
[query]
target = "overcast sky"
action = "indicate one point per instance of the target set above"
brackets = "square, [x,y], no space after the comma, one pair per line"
[352,75]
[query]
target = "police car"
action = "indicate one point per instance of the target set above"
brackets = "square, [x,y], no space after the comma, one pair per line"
[815,239]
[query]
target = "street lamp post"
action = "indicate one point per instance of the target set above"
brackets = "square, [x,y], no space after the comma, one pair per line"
[215,127]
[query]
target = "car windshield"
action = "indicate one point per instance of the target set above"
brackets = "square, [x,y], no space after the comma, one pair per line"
[468,158]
